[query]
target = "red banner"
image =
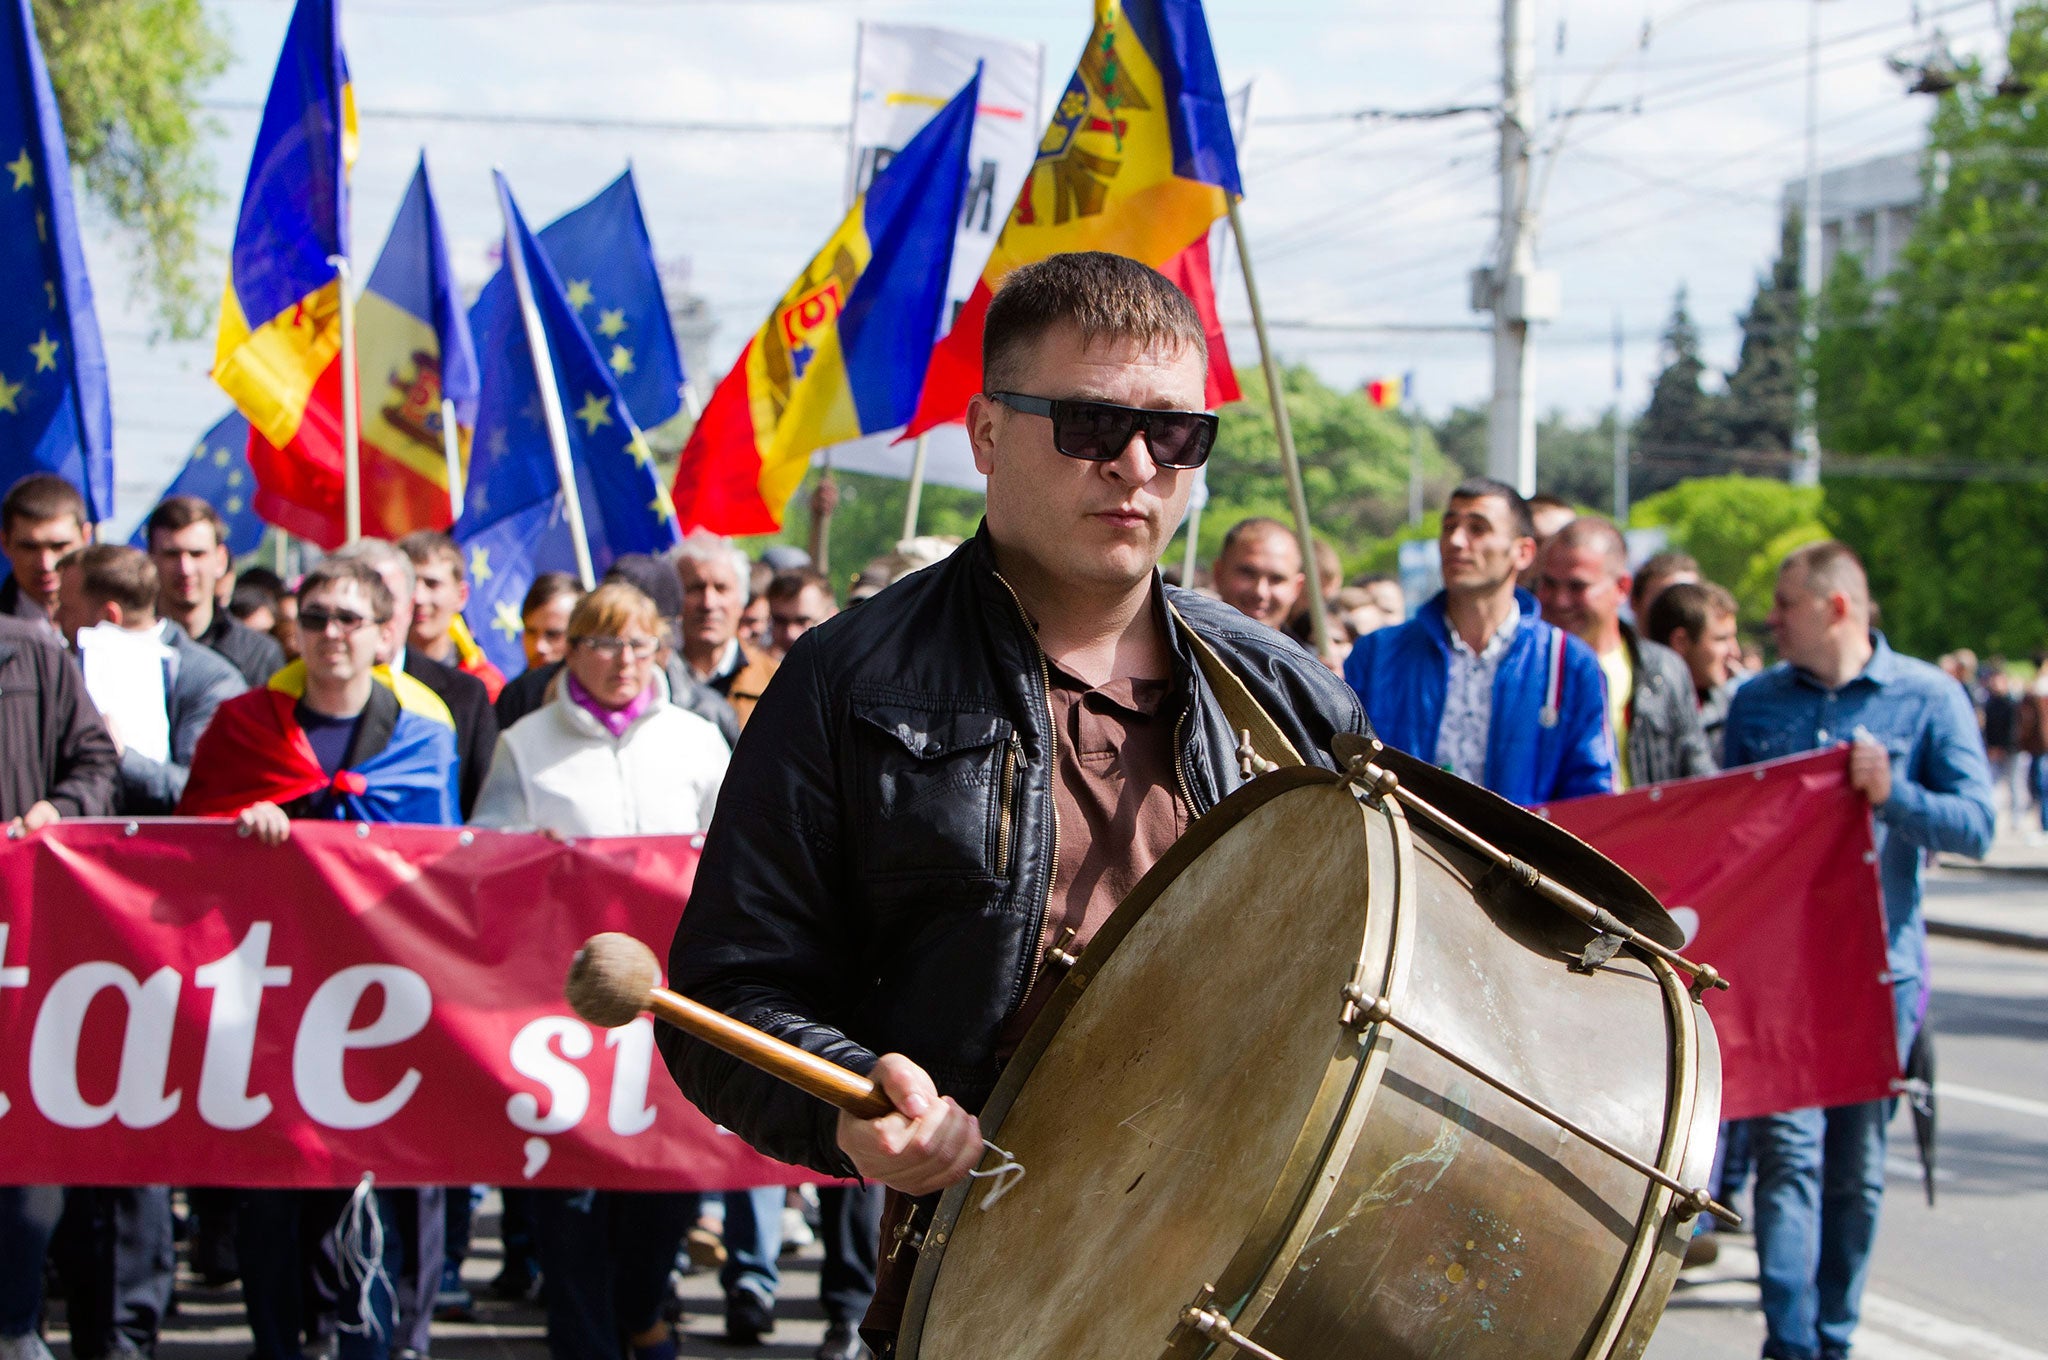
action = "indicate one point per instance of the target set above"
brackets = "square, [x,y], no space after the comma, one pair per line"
[1771,871]
[183,1005]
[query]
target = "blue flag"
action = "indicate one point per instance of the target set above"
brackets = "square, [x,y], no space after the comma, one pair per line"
[218,473]
[54,411]
[606,263]
[514,511]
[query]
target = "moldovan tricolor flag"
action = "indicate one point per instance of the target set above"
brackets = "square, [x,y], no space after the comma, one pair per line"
[1138,160]
[843,353]
[279,351]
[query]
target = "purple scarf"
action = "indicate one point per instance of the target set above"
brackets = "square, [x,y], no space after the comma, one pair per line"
[615,720]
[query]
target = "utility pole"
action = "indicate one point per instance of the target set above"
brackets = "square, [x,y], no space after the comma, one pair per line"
[1806,439]
[1511,287]
[1620,435]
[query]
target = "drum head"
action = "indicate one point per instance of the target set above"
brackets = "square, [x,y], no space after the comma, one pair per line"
[1157,1102]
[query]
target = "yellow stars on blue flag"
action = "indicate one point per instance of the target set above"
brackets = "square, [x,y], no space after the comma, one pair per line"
[480,565]
[10,393]
[621,361]
[661,504]
[579,293]
[611,322]
[23,168]
[506,620]
[595,411]
[637,446]
[45,350]
[222,457]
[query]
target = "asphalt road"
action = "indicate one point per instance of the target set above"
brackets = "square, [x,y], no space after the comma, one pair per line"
[1968,1277]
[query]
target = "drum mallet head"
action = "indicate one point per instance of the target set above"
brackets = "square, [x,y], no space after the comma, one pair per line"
[610,978]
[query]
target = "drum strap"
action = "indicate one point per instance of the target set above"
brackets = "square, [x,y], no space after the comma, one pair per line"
[1246,716]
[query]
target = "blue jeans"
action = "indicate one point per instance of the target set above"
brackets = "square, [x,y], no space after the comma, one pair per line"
[604,1257]
[28,1217]
[753,1242]
[1819,1182]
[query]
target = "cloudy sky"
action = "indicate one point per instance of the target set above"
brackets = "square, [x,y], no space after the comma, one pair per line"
[1670,173]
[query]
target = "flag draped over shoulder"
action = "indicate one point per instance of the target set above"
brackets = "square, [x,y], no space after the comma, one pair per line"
[1138,160]
[279,350]
[843,353]
[217,471]
[255,751]
[515,521]
[55,415]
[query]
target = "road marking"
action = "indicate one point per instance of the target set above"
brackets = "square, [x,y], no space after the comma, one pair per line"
[1890,1328]
[1997,1100]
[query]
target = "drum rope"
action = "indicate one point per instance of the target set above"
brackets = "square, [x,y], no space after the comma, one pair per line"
[1002,1177]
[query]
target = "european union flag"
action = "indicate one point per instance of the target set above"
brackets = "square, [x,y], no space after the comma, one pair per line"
[54,411]
[514,514]
[606,262]
[218,473]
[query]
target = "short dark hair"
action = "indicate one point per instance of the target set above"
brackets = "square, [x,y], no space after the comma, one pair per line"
[334,571]
[422,546]
[249,596]
[114,573]
[1832,566]
[1691,605]
[787,585]
[1254,526]
[548,587]
[40,496]
[182,512]
[1478,488]
[1544,500]
[1656,567]
[1597,533]
[1100,294]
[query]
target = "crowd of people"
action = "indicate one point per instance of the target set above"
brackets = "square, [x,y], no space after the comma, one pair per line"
[146,681]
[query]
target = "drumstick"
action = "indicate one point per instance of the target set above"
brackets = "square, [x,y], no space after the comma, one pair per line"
[614,978]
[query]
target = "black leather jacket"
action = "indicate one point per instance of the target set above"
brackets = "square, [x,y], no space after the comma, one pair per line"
[876,875]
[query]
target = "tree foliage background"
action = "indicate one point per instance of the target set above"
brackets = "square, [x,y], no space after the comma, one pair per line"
[1941,370]
[127,75]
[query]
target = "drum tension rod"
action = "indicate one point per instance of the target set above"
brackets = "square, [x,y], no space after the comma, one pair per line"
[1200,1318]
[1363,1008]
[1378,782]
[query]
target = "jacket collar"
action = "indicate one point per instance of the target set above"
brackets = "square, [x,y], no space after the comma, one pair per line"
[1882,668]
[1435,619]
[586,723]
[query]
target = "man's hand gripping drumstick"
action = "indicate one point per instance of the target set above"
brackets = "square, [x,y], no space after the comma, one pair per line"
[895,1128]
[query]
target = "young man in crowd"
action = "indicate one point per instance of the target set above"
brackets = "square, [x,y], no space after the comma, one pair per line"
[798,601]
[1582,578]
[1916,756]
[1258,570]
[1476,682]
[336,736]
[1697,621]
[42,521]
[188,542]
[439,596]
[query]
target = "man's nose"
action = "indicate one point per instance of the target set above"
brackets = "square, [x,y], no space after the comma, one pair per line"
[1135,464]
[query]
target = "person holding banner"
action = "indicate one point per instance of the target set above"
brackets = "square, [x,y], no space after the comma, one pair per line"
[852,898]
[1916,755]
[337,737]
[607,754]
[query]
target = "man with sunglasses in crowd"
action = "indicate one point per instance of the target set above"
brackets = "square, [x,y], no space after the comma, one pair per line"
[973,767]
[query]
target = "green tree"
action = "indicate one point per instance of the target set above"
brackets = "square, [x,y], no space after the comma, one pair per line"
[1763,391]
[1944,365]
[127,75]
[1682,429]
[1738,528]
[868,521]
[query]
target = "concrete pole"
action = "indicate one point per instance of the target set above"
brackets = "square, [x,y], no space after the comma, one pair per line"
[1511,432]
[1806,439]
[1620,435]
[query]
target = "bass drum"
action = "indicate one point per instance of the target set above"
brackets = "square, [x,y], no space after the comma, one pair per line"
[1224,1148]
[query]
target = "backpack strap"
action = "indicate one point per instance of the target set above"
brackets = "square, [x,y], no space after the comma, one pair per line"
[1261,739]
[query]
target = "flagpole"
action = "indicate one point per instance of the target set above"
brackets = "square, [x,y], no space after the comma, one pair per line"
[550,394]
[451,449]
[351,450]
[1319,625]
[1189,565]
[916,491]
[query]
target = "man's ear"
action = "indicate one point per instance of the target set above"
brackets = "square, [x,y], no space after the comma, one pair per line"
[1525,554]
[982,415]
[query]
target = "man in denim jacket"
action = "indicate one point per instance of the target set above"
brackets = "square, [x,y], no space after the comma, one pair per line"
[1916,755]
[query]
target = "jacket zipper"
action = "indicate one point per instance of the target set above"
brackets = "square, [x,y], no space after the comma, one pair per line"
[1052,738]
[1007,789]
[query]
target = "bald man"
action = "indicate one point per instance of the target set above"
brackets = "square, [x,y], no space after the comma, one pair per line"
[1258,572]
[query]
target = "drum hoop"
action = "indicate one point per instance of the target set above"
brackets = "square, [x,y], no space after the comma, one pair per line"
[1657,1228]
[1266,1273]
[1204,833]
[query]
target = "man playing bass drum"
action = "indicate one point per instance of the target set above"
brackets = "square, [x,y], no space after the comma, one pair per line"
[970,770]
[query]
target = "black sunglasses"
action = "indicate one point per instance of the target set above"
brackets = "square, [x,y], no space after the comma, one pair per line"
[316,620]
[1099,431]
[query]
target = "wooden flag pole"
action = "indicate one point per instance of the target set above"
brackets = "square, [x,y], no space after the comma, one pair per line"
[451,449]
[1319,624]
[916,492]
[821,519]
[550,394]
[351,438]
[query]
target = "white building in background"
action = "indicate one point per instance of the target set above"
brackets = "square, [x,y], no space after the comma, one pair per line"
[1867,209]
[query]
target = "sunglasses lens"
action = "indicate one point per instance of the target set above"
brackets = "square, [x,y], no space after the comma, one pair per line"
[1092,430]
[1179,440]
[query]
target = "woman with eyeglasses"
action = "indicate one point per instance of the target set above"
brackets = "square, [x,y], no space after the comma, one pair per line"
[606,754]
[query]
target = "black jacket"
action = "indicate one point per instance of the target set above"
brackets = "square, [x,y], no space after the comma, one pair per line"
[256,655]
[1665,739]
[196,680]
[476,726]
[53,745]
[528,691]
[15,604]
[865,887]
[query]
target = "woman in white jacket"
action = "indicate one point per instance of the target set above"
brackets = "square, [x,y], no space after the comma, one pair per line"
[607,755]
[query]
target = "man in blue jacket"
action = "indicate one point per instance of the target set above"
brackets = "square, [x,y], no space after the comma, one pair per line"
[1476,682]
[1916,755]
